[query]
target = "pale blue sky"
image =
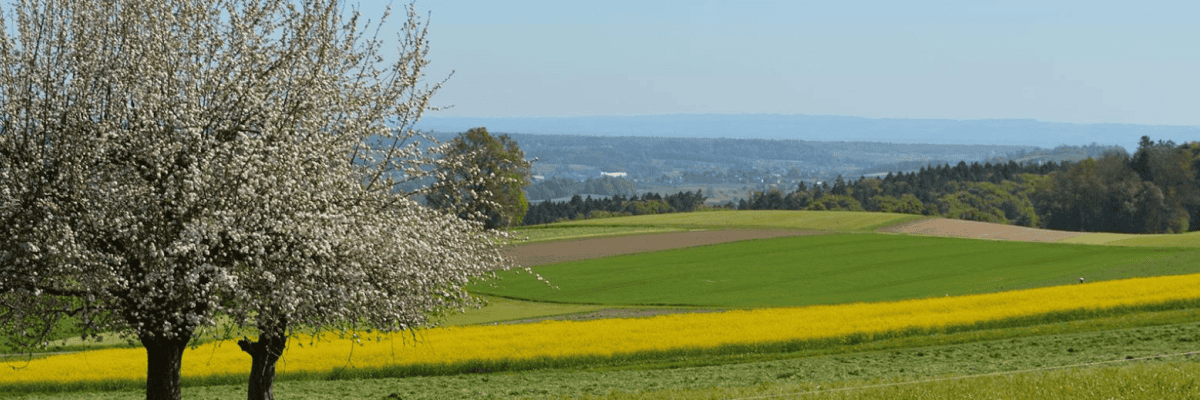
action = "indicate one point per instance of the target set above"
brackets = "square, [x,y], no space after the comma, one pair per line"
[1096,61]
[1079,61]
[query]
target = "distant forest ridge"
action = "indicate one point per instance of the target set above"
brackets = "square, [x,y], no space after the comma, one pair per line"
[754,162]
[1011,132]
[1156,190]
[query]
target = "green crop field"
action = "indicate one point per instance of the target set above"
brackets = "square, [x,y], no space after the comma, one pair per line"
[1142,352]
[759,219]
[835,268]
[1190,239]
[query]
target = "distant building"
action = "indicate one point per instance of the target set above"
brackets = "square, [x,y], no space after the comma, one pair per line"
[613,174]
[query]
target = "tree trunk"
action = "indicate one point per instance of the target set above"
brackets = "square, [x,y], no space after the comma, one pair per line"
[163,358]
[264,354]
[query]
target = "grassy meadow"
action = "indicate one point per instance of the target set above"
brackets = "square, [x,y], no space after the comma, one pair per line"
[834,268]
[846,314]
[1190,239]
[499,309]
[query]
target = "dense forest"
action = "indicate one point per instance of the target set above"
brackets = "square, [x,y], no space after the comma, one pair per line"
[1156,190]
[579,207]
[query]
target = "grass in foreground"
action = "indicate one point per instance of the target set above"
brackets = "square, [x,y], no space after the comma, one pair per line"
[835,268]
[906,360]
[578,344]
[757,219]
[1148,380]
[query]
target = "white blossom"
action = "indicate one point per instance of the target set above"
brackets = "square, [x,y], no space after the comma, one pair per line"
[163,163]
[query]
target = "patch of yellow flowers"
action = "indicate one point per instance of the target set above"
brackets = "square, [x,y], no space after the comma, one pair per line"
[620,336]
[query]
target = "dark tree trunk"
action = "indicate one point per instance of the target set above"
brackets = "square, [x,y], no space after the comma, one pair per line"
[264,354]
[164,358]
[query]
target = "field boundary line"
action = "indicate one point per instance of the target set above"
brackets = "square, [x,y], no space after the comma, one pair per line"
[1002,373]
[12,355]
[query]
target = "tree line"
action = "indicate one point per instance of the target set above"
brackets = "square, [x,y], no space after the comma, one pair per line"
[1155,190]
[584,208]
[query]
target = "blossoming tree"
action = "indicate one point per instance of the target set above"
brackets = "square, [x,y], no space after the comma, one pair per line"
[166,163]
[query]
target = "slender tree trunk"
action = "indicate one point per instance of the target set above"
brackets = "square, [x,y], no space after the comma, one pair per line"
[264,354]
[164,358]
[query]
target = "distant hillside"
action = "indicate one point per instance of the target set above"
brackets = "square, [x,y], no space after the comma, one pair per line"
[744,161]
[827,129]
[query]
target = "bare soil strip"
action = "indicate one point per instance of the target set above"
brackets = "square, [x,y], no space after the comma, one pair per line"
[979,230]
[549,253]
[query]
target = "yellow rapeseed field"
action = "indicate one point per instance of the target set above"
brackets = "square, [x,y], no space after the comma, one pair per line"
[618,336]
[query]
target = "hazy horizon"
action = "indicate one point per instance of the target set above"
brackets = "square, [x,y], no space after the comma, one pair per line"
[1062,62]
[436,115]
[828,128]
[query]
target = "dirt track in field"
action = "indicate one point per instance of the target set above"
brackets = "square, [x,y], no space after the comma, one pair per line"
[549,253]
[979,230]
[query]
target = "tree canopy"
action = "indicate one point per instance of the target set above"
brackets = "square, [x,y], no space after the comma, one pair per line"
[1156,190]
[482,179]
[166,163]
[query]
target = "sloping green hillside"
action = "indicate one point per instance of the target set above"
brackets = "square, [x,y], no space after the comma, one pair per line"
[836,268]
[1190,239]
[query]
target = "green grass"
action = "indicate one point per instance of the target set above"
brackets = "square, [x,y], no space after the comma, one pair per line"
[66,338]
[908,359]
[1190,239]
[499,309]
[757,219]
[835,268]
[553,232]
[1102,238]
[1152,380]
[1142,380]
